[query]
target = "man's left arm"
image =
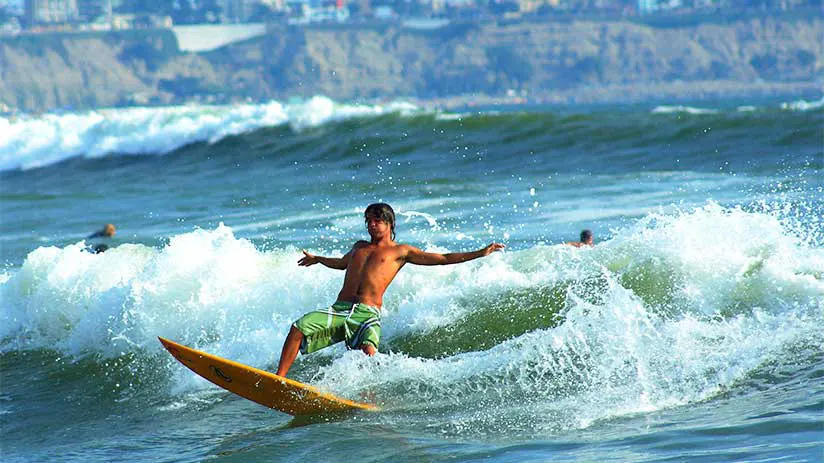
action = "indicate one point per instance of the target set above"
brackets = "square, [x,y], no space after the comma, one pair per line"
[418,257]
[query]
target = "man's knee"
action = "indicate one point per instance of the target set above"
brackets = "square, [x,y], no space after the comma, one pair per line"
[294,333]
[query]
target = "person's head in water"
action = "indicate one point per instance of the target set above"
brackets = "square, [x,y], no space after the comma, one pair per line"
[107,231]
[383,212]
[586,237]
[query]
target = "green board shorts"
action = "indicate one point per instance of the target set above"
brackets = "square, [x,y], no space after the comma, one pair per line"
[355,323]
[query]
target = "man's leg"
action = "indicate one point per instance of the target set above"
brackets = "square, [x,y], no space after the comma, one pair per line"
[291,346]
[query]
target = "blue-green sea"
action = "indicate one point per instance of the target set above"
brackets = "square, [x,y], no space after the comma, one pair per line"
[691,331]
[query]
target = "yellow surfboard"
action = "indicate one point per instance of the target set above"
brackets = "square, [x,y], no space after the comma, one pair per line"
[268,389]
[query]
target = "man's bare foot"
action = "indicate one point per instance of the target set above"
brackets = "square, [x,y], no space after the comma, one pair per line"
[369,349]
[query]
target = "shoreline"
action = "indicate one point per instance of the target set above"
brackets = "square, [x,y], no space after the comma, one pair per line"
[625,94]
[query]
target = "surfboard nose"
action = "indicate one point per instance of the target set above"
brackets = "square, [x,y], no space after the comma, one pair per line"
[263,387]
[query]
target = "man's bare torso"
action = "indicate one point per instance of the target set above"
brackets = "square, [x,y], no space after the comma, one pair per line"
[370,270]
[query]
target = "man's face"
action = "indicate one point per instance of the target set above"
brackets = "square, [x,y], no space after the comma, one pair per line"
[376,226]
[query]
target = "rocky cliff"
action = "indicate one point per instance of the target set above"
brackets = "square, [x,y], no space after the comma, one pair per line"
[588,60]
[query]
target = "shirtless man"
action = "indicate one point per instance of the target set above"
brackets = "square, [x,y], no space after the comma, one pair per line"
[586,240]
[370,267]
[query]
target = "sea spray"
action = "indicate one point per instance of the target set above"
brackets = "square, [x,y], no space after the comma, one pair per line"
[202,287]
[615,342]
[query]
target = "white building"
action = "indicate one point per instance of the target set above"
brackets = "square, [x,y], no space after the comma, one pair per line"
[51,11]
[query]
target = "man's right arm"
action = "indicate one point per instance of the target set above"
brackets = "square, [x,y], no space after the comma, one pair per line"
[337,263]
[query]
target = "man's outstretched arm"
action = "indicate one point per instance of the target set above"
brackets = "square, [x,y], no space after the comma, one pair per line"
[418,257]
[337,263]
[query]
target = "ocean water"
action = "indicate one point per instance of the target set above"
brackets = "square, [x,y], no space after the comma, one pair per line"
[692,331]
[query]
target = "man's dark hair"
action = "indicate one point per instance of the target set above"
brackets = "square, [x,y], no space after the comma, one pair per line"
[586,235]
[382,211]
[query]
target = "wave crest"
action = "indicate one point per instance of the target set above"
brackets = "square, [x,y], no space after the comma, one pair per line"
[29,143]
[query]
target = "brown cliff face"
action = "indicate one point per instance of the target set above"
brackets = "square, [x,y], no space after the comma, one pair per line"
[345,62]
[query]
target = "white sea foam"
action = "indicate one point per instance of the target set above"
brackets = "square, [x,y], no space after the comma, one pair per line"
[803,105]
[409,215]
[667,109]
[28,143]
[730,305]
[689,303]
[452,116]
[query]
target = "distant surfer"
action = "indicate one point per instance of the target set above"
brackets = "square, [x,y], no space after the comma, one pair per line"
[586,240]
[107,231]
[370,267]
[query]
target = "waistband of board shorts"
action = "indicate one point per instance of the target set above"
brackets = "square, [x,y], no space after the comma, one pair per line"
[340,306]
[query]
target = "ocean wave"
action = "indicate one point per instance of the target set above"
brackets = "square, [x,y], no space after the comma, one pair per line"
[394,128]
[606,360]
[797,105]
[28,143]
[209,284]
[803,105]
[665,109]
[675,308]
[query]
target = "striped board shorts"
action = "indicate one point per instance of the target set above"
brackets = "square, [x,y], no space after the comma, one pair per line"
[355,323]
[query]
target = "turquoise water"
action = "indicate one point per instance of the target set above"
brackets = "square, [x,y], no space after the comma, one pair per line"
[690,332]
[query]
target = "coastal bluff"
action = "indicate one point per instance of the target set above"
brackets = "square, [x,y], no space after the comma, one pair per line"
[550,61]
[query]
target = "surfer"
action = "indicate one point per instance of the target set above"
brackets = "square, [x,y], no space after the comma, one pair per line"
[107,231]
[370,267]
[586,240]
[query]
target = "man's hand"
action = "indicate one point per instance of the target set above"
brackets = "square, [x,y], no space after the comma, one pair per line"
[492,248]
[307,259]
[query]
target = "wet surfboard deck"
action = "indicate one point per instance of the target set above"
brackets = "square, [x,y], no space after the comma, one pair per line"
[268,389]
